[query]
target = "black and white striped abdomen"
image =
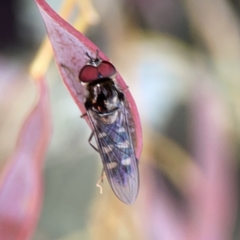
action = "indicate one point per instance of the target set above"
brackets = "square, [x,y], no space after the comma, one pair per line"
[118,153]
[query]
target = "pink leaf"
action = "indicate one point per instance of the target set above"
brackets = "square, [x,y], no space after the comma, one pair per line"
[211,187]
[70,47]
[21,180]
[159,208]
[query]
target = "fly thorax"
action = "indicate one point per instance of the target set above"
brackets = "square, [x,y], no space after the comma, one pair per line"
[104,101]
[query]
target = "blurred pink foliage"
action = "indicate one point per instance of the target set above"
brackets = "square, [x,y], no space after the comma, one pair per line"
[210,204]
[21,180]
[212,190]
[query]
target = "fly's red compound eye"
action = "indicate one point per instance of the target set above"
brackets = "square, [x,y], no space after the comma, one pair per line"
[88,73]
[106,69]
[92,72]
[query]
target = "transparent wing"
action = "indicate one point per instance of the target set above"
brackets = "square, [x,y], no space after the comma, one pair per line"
[118,156]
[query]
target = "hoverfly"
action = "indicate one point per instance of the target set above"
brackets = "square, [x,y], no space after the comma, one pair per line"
[107,111]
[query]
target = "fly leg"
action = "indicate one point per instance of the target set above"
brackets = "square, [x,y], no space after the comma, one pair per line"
[100,181]
[125,89]
[102,174]
[89,141]
[83,115]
